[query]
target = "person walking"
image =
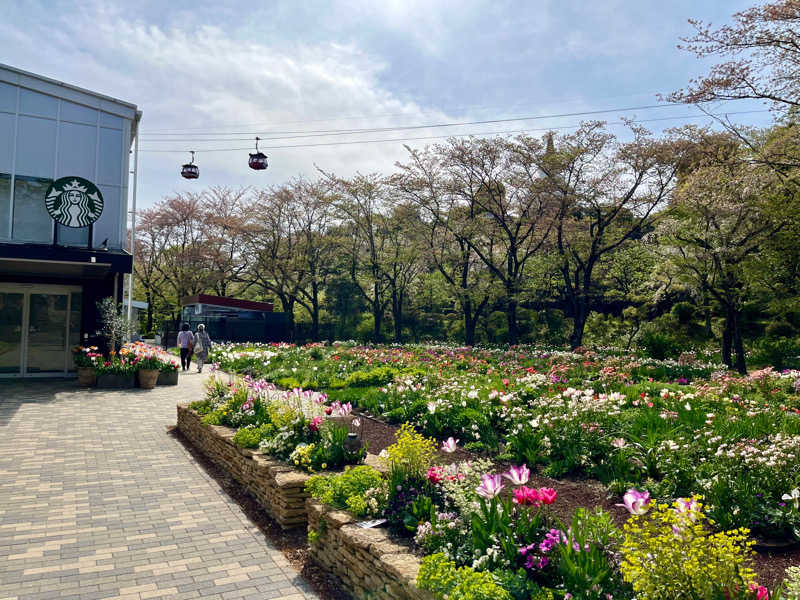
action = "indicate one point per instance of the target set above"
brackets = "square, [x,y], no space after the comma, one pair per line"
[202,344]
[186,344]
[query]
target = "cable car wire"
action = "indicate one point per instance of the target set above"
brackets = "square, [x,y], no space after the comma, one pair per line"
[410,127]
[476,133]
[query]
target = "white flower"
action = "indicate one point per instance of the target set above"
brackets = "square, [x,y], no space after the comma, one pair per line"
[794,498]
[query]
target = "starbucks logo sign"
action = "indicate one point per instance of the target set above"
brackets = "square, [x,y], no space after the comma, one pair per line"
[74,202]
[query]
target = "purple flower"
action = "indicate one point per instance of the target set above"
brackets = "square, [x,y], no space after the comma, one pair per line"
[490,486]
[637,503]
[518,475]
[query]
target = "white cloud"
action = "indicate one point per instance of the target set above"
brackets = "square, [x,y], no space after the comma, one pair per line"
[203,79]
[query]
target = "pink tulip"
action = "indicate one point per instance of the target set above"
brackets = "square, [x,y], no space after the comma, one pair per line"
[491,486]
[518,475]
[637,503]
[449,446]
[527,496]
[548,495]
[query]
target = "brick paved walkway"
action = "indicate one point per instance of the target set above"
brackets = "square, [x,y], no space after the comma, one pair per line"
[98,501]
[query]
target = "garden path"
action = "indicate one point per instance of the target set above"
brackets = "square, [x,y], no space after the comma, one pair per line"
[98,501]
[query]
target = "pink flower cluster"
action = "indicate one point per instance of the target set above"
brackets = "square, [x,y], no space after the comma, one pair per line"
[534,497]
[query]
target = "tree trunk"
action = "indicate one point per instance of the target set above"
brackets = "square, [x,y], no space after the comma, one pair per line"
[149,311]
[314,313]
[288,307]
[397,315]
[377,316]
[511,317]
[726,340]
[578,323]
[738,346]
[469,323]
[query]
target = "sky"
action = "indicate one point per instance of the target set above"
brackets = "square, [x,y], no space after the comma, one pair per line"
[216,74]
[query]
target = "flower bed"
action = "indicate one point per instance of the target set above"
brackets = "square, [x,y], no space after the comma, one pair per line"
[487,535]
[676,428]
[270,440]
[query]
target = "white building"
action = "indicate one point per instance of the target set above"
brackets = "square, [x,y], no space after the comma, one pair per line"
[52,275]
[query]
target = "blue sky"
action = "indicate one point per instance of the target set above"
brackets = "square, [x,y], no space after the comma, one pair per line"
[249,68]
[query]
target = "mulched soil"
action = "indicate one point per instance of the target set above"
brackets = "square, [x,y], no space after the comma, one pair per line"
[293,543]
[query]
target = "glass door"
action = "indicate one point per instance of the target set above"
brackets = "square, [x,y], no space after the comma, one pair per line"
[39,326]
[12,308]
[47,333]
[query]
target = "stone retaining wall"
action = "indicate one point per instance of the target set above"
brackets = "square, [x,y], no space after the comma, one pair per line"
[367,562]
[279,489]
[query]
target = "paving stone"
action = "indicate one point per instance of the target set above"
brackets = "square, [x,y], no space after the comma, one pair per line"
[99,502]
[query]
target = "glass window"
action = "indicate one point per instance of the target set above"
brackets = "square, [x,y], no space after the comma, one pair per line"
[75,304]
[32,223]
[5,205]
[73,236]
[47,333]
[10,331]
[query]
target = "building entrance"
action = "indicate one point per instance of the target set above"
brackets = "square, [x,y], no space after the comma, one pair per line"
[39,326]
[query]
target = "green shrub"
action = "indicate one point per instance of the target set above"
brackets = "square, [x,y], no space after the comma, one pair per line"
[287,383]
[379,376]
[411,454]
[349,490]
[780,353]
[684,312]
[441,577]
[250,437]
[659,344]
[670,553]
[213,418]
[202,407]
[779,329]
[521,587]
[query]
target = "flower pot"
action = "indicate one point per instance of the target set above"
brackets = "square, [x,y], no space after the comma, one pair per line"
[147,378]
[168,378]
[115,381]
[87,376]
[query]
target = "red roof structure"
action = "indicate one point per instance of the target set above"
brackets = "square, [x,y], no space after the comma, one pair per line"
[228,302]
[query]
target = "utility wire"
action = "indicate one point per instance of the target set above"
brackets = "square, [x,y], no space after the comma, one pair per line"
[478,107]
[477,133]
[407,127]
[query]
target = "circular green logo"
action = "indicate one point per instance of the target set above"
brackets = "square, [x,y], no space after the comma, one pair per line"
[74,202]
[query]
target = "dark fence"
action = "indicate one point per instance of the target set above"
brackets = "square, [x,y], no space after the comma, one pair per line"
[274,327]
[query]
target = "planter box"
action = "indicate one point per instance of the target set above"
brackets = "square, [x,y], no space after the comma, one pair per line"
[86,376]
[366,562]
[279,489]
[170,378]
[116,381]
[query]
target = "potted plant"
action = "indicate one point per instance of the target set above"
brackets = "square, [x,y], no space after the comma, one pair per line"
[86,359]
[147,369]
[167,371]
[117,372]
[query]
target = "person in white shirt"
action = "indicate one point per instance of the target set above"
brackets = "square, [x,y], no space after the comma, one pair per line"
[186,344]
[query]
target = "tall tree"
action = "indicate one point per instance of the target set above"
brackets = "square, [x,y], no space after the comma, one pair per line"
[183,263]
[151,242]
[361,204]
[447,226]
[223,230]
[763,47]
[608,194]
[725,210]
